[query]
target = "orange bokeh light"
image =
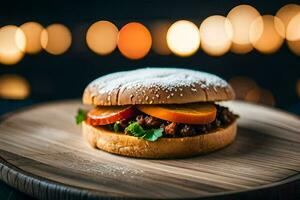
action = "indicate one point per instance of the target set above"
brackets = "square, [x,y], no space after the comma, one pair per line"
[134,40]
[267,34]
[32,31]
[159,33]
[241,18]
[102,37]
[287,12]
[13,86]
[56,39]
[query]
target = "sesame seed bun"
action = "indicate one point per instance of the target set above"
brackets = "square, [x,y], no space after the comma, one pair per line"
[157,86]
[127,145]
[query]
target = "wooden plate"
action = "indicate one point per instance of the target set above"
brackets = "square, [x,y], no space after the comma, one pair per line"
[44,155]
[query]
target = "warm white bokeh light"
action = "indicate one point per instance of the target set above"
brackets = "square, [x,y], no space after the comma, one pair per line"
[216,35]
[56,39]
[159,37]
[13,87]
[12,44]
[32,31]
[102,37]
[287,12]
[241,18]
[293,34]
[267,34]
[293,29]
[183,38]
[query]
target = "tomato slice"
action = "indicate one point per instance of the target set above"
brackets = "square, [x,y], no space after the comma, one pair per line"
[193,113]
[109,114]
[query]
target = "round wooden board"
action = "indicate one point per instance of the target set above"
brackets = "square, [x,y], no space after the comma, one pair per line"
[44,155]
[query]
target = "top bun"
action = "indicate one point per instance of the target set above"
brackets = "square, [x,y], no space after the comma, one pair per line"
[157,86]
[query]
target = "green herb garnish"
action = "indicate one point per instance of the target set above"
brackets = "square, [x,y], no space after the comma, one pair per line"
[137,130]
[117,127]
[81,116]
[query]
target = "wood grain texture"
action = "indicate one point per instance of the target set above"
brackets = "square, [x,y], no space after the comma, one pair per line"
[43,154]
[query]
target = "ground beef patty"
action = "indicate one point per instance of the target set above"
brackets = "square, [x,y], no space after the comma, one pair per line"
[171,129]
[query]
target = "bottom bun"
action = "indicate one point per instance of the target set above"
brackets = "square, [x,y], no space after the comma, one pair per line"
[127,145]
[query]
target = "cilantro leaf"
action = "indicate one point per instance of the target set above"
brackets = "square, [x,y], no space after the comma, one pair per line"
[153,134]
[117,126]
[137,130]
[81,116]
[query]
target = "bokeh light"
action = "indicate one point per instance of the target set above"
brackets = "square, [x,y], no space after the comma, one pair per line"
[293,34]
[216,35]
[294,46]
[159,37]
[242,85]
[293,29]
[266,97]
[32,31]
[102,37]
[134,40]
[14,87]
[183,38]
[12,44]
[56,39]
[287,12]
[253,95]
[247,89]
[241,18]
[298,88]
[267,34]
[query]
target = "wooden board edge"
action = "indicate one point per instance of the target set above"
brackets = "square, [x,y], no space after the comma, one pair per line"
[289,186]
[28,184]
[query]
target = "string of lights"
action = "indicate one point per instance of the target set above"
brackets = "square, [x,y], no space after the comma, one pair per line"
[243,30]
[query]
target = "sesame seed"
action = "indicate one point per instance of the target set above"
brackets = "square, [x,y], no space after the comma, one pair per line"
[181,94]
[215,89]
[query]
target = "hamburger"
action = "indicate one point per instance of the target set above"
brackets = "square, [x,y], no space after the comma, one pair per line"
[158,113]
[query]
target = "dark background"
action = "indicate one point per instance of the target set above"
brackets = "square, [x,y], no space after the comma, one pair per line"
[65,76]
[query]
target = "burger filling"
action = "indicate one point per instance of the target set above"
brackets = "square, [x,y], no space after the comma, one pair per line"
[172,129]
[152,122]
